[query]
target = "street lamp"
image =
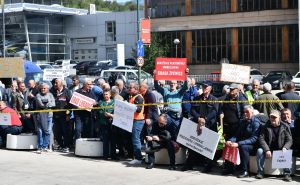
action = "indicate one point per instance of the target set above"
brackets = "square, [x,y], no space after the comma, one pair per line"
[176,42]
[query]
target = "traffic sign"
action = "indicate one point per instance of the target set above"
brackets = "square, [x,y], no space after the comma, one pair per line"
[140,48]
[140,61]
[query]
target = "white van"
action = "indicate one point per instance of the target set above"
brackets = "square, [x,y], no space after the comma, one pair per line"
[127,75]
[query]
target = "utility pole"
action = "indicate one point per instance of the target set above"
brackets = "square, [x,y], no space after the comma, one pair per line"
[3,28]
[138,35]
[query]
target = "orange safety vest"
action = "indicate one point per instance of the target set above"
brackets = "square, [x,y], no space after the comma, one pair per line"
[137,115]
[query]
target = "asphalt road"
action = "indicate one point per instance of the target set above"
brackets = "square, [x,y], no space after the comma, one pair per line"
[29,168]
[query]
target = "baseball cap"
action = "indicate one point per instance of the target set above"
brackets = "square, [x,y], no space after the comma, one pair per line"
[207,83]
[275,113]
[234,86]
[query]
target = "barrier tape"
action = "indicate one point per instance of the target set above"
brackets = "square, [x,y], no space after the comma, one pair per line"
[165,103]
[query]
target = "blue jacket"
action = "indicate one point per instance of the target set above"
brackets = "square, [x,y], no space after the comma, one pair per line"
[189,95]
[248,132]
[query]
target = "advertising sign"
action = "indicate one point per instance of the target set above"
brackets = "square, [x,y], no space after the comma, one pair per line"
[170,69]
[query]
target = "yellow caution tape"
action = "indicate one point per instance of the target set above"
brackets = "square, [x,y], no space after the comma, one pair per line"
[165,103]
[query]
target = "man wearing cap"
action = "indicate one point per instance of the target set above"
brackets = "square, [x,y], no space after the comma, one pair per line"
[275,135]
[203,113]
[270,104]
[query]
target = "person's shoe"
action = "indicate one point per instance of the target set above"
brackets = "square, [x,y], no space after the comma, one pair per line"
[47,150]
[227,172]
[243,174]
[172,167]
[135,162]
[65,150]
[206,169]
[150,166]
[186,168]
[39,151]
[259,176]
[287,178]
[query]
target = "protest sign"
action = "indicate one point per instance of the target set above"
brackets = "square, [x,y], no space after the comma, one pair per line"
[282,159]
[81,101]
[235,73]
[5,119]
[12,67]
[170,69]
[50,74]
[123,115]
[231,154]
[204,144]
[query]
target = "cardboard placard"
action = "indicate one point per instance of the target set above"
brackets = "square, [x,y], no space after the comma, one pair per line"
[81,101]
[50,74]
[235,73]
[12,67]
[282,159]
[5,119]
[123,115]
[170,69]
[204,144]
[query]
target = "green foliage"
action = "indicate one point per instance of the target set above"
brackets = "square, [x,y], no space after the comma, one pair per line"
[156,49]
[102,5]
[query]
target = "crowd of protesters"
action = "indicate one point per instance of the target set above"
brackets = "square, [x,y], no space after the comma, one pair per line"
[254,127]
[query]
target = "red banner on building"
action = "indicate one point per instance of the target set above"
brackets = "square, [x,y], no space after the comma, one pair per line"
[146,31]
[170,69]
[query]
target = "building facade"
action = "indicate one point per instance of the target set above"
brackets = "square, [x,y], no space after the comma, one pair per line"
[45,31]
[260,33]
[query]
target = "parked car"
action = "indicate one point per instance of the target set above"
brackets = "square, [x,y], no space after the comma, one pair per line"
[45,66]
[130,62]
[255,74]
[68,64]
[82,67]
[125,67]
[277,78]
[96,68]
[127,75]
[296,80]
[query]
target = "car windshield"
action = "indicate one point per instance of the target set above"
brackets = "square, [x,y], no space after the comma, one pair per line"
[297,75]
[275,73]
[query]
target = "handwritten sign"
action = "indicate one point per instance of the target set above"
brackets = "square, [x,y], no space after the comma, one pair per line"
[50,74]
[282,159]
[12,67]
[235,73]
[170,69]
[123,115]
[5,119]
[204,144]
[82,101]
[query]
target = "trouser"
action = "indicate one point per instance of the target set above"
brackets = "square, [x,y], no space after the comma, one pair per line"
[136,138]
[44,134]
[260,160]
[109,141]
[84,126]
[5,129]
[245,151]
[193,158]
[28,124]
[229,129]
[62,131]
[171,152]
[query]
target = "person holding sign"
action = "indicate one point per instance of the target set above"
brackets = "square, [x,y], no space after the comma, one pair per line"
[14,127]
[245,139]
[275,135]
[205,115]
[138,122]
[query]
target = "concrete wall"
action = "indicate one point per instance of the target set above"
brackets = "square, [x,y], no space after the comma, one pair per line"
[83,26]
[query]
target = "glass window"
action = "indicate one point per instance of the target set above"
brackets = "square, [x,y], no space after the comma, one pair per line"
[110,31]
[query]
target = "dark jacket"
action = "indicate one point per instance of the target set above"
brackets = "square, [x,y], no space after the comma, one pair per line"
[62,100]
[189,95]
[165,133]
[240,106]
[248,132]
[4,95]
[284,138]
[124,93]
[151,112]
[208,111]
[89,94]
[292,106]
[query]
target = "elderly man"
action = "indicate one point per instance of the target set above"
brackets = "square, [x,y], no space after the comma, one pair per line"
[14,128]
[205,115]
[290,94]
[275,135]
[254,92]
[84,123]
[266,107]
[245,138]
[62,125]
[138,122]
[122,89]
[173,95]
[75,84]
[44,100]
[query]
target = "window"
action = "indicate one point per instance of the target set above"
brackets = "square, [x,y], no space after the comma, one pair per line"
[110,31]
[166,8]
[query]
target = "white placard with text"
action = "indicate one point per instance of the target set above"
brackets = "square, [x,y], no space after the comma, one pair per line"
[282,159]
[123,115]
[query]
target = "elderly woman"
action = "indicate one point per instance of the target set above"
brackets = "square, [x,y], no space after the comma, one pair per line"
[44,100]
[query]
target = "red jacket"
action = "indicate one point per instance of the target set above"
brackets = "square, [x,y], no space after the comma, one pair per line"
[15,121]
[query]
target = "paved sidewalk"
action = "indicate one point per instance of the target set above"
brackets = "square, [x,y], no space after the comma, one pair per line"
[29,168]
